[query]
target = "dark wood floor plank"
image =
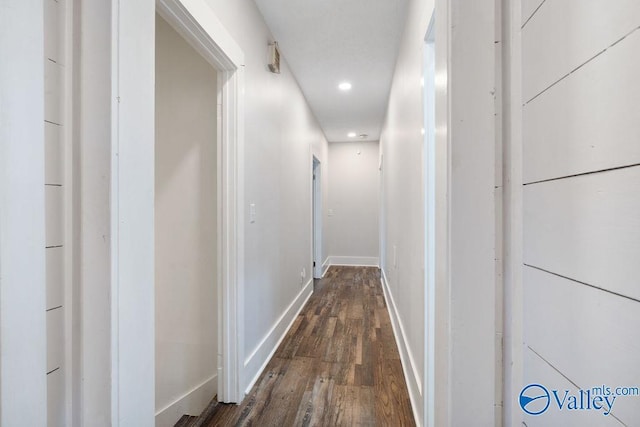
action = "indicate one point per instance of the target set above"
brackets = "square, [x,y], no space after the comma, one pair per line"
[337,366]
[315,403]
[185,421]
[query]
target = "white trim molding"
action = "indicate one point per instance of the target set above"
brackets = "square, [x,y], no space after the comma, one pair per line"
[198,24]
[355,261]
[193,403]
[325,266]
[257,361]
[316,215]
[512,214]
[411,374]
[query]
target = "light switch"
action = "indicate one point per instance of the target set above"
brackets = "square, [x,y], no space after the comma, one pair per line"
[330,212]
[252,213]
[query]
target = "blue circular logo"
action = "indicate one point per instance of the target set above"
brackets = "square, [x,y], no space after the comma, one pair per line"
[534,399]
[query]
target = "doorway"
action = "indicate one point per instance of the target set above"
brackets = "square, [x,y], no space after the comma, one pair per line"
[202,30]
[186,235]
[317,219]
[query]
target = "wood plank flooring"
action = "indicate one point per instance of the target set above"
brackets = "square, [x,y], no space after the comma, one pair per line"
[337,366]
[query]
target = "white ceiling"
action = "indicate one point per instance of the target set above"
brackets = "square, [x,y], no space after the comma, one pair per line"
[326,42]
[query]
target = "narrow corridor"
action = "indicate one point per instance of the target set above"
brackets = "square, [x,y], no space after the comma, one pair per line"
[337,366]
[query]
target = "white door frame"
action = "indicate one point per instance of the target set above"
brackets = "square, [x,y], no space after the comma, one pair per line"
[382,237]
[317,217]
[197,23]
[513,217]
[442,206]
[429,192]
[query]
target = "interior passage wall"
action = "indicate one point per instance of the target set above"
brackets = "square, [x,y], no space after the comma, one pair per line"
[353,203]
[466,328]
[581,197]
[281,135]
[185,228]
[401,145]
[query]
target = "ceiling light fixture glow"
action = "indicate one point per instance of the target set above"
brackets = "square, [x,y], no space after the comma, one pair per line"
[344,86]
[351,134]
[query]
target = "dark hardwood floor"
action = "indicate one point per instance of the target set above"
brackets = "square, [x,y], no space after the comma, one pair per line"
[337,366]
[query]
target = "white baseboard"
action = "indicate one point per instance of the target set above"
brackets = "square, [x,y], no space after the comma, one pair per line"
[356,261]
[411,376]
[191,403]
[325,265]
[257,361]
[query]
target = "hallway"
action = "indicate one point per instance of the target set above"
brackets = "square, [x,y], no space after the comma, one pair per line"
[337,366]
[462,175]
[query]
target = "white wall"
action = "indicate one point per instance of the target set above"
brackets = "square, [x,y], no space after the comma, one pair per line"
[23,383]
[401,148]
[353,199]
[281,134]
[185,228]
[467,342]
[581,201]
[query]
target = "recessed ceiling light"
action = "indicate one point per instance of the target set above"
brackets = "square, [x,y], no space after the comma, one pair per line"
[351,134]
[344,86]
